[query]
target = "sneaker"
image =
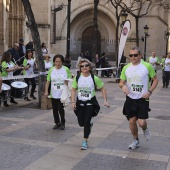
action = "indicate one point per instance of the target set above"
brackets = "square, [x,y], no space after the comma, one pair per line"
[147,134]
[91,125]
[134,144]
[13,101]
[32,96]
[57,126]
[62,127]
[84,145]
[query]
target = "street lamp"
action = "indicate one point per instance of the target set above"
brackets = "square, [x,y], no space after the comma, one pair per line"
[146,28]
[68,28]
[123,17]
[167,34]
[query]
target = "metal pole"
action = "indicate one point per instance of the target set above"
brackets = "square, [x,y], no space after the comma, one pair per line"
[96,2]
[68,27]
[145,49]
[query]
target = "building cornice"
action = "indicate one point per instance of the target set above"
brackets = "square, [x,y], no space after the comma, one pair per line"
[159,18]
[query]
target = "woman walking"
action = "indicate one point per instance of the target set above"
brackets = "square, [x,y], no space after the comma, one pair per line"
[86,102]
[58,76]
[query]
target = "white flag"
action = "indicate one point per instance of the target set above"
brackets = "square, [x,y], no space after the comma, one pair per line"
[123,38]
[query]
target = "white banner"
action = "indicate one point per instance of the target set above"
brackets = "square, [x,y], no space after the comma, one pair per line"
[123,38]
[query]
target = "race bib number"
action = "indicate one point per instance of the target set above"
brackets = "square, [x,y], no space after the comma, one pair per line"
[84,95]
[137,89]
[57,86]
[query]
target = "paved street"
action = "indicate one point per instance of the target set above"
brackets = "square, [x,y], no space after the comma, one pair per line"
[28,142]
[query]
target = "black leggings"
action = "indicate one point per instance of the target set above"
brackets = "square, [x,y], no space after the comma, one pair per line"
[84,117]
[58,109]
[33,83]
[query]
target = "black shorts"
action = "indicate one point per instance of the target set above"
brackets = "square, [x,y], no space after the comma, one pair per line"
[138,108]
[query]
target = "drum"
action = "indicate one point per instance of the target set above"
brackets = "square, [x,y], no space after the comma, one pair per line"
[18,89]
[5,94]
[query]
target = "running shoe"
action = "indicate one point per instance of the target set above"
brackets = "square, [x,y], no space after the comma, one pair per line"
[147,134]
[134,144]
[84,145]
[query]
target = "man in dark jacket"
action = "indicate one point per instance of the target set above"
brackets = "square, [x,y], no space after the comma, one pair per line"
[16,58]
[22,49]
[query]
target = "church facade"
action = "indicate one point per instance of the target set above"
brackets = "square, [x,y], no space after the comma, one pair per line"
[53,27]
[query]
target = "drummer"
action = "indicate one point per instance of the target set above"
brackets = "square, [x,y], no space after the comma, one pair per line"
[8,68]
[28,64]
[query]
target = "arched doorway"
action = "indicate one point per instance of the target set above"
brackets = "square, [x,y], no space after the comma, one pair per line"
[88,39]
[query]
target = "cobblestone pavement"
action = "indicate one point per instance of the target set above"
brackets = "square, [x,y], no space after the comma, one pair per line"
[28,142]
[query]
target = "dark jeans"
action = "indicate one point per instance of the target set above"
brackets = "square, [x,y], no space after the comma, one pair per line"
[166,78]
[84,117]
[58,109]
[33,83]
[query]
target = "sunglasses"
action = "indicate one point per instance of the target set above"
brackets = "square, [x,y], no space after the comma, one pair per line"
[85,65]
[135,55]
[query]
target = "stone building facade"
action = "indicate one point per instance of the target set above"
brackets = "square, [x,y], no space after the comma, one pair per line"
[53,26]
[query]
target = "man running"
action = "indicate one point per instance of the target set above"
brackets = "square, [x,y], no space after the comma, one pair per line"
[154,61]
[134,82]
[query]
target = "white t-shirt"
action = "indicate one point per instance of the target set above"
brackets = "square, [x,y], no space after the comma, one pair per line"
[48,65]
[44,51]
[30,71]
[10,65]
[57,77]
[137,78]
[152,61]
[167,64]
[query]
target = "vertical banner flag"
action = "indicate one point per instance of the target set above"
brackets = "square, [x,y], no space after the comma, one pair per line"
[123,38]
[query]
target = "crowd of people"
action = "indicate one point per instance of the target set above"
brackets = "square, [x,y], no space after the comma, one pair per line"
[137,80]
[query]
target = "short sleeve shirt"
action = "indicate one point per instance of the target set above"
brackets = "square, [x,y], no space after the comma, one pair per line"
[57,77]
[167,64]
[152,61]
[6,65]
[85,87]
[137,78]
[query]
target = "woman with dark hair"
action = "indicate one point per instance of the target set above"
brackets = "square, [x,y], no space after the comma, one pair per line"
[8,67]
[28,64]
[58,76]
[44,49]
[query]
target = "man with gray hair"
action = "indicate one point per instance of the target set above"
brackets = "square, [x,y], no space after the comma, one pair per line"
[134,82]
[16,58]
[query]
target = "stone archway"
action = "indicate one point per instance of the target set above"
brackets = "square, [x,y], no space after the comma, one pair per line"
[88,40]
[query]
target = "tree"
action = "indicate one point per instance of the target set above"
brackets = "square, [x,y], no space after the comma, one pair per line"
[96,2]
[37,43]
[117,12]
[137,8]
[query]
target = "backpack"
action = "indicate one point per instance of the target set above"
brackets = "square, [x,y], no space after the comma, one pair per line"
[92,75]
[94,100]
